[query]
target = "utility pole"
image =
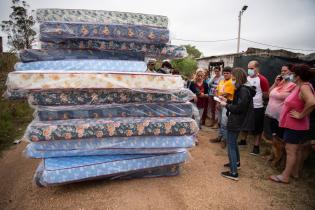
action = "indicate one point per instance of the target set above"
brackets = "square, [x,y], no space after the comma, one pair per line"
[239,27]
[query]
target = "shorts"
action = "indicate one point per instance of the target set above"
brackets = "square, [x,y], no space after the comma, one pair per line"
[294,136]
[310,134]
[274,127]
[259,114]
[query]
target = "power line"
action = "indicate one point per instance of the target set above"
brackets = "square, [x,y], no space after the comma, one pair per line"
[220,40]
[247,40]
[269,45]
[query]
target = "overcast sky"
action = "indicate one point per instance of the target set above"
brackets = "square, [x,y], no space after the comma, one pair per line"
[286,23]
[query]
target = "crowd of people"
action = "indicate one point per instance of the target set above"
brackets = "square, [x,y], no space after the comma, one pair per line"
[241,103]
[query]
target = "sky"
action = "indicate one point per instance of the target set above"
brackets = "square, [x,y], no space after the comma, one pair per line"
[283,23]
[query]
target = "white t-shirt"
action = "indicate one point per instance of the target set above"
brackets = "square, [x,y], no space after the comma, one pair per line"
[261,84]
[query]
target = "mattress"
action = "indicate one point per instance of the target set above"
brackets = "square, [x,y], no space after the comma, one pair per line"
[34,80]
[47,113]
[100,16]
[83,65]
[60,31]
[150,50]
[66,97]
[31,55]
[162,171]
[64,170]
[109,146]
[114,127]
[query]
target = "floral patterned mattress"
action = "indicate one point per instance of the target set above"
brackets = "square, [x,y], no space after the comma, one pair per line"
[109,146]
[47,113]
[31,55]
[65,97]
[83,65]
[114,127]
[151,50]
[33,80]
[62,170]
[100,16]
[60,31]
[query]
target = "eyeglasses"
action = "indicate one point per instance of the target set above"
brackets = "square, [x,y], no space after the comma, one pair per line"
[251,68]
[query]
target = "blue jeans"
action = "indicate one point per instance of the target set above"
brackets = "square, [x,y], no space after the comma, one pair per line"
[233,152]
[223,132]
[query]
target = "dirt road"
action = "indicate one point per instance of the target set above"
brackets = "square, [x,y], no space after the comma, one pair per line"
[200,186]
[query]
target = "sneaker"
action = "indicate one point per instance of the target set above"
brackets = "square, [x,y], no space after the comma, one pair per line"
[215,140]
[230,175]
[227,165]
[242,143]
[255,151]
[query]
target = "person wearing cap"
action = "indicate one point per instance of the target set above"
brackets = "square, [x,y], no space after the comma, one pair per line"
[151,66]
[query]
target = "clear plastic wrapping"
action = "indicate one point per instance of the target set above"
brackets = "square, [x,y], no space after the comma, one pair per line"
[161,51]
[161,171]
[110,146]
[82,66]
[63,170]
[113,127]
[32,80]
[100,16]
[31,55]
[47,113]
[60,31]
[65,97]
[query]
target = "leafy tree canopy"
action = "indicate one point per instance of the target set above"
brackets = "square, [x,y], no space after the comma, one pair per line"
[19,26]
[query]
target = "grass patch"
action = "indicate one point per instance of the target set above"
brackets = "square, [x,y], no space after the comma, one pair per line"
[14,115]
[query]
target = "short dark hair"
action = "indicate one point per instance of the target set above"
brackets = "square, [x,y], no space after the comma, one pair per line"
[289,65]
[167,65]
[303,71]
[227,69]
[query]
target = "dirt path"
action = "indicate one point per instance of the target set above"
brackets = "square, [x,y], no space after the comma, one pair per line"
[199,186]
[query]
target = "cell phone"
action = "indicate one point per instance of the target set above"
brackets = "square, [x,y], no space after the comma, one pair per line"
[280,78]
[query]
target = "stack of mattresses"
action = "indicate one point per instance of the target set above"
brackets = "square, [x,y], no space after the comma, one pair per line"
[97,114]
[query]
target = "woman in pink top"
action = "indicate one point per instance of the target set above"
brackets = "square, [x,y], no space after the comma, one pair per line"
[294,118]
[278,92]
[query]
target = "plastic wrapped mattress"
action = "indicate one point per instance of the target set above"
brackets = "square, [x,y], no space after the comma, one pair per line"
[113,96]
[100,16]
[113,127]
[47,113]
[83,65]
[150,50]
[109,146]
[31,55]
[60,31]
[54,171]
[33,80]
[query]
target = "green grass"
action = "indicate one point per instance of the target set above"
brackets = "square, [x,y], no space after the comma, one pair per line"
[14,115]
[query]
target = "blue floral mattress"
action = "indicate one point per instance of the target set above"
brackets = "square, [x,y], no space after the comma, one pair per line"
[63,170]
[66,97]
[100,16]
[114,127]
[31,55]
[47,113]
[109,146]
[84,65]
[60,31]
[151,50]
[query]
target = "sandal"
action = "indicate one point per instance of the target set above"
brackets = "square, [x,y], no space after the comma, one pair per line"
[277,179]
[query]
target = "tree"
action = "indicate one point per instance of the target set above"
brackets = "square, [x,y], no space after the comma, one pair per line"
[19,26]
[186,66]
[193,51]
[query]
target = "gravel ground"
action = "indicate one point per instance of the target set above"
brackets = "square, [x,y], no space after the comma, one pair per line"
[200,186]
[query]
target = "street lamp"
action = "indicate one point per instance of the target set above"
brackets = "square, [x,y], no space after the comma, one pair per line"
[239,27]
